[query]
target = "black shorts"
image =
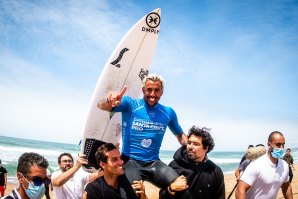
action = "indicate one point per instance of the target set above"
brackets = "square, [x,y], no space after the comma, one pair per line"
[156,172]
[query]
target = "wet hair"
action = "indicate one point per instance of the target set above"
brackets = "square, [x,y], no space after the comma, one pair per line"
[64,154]
[288,149]
[100,154]
[27,160]
[154,77]
[271,136]
[260,145]
[207,140]
[249,146]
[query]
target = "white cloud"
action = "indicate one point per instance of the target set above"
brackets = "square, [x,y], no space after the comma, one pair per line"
[35,104]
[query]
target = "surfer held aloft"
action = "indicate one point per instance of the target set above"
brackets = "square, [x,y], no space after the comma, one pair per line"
[144,123]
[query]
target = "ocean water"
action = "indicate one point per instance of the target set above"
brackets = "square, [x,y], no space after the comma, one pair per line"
[12,148]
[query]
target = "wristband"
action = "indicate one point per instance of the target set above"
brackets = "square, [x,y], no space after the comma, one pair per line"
[171,190]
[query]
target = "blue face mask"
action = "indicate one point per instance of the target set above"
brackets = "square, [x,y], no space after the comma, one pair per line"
[277,152]
[35,192]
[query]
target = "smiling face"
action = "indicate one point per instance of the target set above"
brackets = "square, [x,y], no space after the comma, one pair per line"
[114,164]
[152,92]
[195,149]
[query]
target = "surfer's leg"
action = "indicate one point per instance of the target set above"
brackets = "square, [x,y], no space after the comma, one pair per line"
[132,169]
[159,174]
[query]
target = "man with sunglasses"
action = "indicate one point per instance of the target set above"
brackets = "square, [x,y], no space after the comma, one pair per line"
[31,173]
[265,176]
[70,180]
[144,123]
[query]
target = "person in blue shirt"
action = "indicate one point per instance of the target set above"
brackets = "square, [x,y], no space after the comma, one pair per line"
[144,122]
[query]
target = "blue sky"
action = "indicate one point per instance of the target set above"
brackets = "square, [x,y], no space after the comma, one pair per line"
[228,65]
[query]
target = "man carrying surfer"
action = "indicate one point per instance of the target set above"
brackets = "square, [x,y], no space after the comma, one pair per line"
[113,184]
[199,176]
[144,123]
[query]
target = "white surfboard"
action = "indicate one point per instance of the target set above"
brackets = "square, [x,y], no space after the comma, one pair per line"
[127,66]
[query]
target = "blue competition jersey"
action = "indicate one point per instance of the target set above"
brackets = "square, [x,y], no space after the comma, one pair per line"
[143,128]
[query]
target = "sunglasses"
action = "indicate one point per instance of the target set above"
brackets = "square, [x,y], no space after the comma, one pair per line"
[37,181]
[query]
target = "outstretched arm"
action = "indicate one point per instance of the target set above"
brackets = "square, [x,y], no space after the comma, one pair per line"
[114,99]
[65,176]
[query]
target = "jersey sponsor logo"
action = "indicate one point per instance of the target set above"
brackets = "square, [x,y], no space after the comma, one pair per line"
[116,61]
[151,114]
[146,142]
[143,125]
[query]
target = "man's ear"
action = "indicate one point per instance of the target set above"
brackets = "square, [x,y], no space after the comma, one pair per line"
[102,164]
[20,177]
[144,90]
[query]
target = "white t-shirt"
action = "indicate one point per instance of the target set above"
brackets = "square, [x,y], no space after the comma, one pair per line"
[265,177]
[74,187]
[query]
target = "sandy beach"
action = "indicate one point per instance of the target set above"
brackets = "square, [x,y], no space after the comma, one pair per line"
[230,181]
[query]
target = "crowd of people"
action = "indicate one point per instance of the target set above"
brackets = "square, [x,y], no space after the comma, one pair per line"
[191,174]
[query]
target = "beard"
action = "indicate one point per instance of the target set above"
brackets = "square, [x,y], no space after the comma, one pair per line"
[65,168]
[191,155]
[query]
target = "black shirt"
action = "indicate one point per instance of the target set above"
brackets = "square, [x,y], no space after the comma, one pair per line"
[99,189]
[2,173]
[205,179]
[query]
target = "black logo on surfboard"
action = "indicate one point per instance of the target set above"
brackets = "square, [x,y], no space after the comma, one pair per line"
[143,73]
[115,63]
[153,20]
